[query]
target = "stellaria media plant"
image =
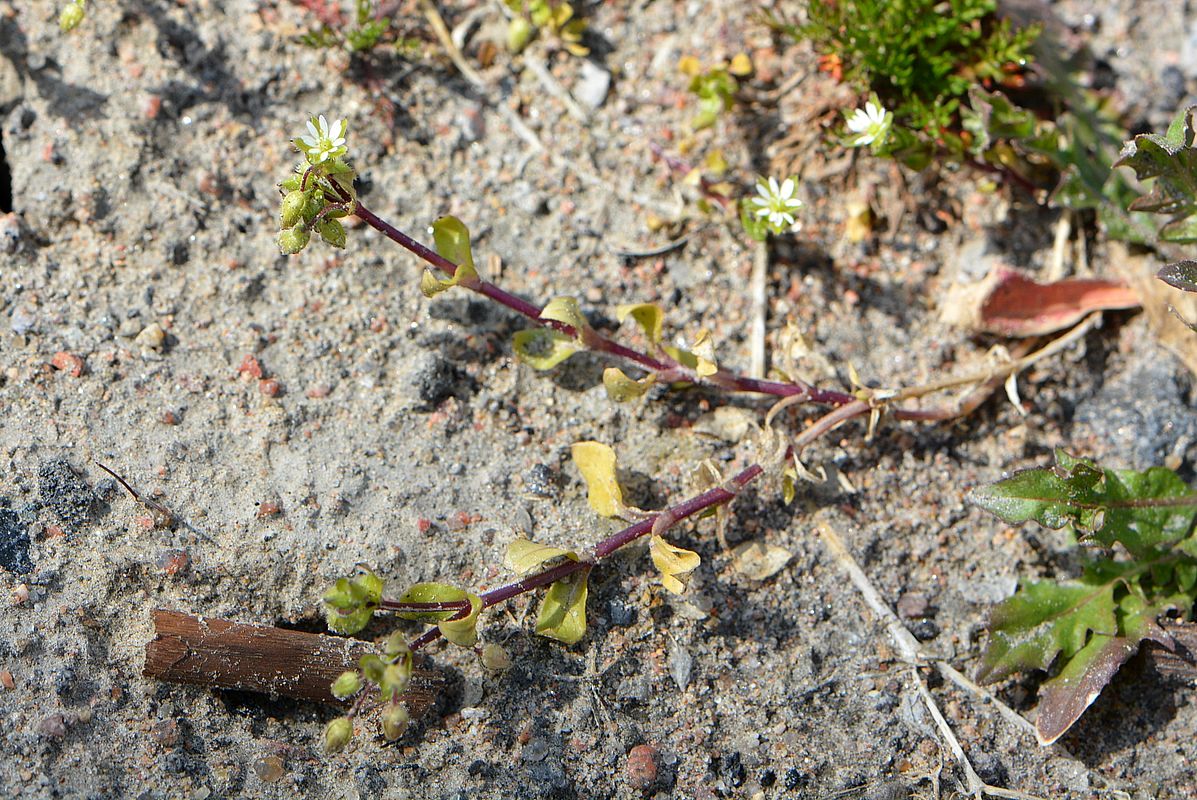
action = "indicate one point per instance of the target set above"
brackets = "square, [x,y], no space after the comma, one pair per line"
[320,192]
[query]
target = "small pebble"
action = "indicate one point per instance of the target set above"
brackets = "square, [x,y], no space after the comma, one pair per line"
[52,726]
[269,769]
[68,363]
[270,387]
[165,732]
[680,664]
[7,680]
[913,605]
[642,766]
[535,750]
[151,339]
[592,86]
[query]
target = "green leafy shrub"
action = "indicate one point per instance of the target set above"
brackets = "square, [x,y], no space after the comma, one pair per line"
[1086,628]
[922,59]
[1170,162]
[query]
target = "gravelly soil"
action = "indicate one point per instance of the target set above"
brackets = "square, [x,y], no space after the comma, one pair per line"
[150,324]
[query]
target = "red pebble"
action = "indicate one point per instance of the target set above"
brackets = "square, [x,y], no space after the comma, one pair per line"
[172,562]
[68,363]
[250,367]
[270,387]
[642,766]
[269,509]
[422,525]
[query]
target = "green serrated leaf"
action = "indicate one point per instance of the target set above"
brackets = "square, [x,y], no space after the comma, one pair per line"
[563,612]
[1111,505]
[525,555]
[543,348]
[596,462]
[990,117]
[1172,161]
[620,388]
[1042,620]
[1180,231]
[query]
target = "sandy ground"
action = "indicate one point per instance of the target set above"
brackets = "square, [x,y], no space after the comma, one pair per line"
[307,414]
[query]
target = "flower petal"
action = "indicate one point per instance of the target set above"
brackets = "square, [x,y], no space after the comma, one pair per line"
[787,190]
[773,187]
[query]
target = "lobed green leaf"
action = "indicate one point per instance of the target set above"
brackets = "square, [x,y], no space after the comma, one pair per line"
[1042,620]
[1111,505]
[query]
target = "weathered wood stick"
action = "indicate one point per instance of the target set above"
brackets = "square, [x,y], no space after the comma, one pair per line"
[259,658]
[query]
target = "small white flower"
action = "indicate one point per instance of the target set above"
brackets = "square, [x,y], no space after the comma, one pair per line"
[776,203]
[323,141]
[871,122]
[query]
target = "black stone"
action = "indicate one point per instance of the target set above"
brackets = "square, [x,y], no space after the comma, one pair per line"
[14,543]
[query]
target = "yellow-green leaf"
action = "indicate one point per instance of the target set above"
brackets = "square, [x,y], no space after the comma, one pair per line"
[565,309]
[789,485]
[740,65]
[524,555]
[596,462]
[542,348]
[431,593]
[673,562]
[459,631]
[464,631]
[452,240]
[704,350]
[648,316]
[621,388]
[563,613]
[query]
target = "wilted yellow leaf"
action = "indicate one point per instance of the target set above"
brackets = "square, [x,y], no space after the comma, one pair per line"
[621,388]
[740,65]
[541,348]
[758,560]
[689,66]
[525,555]
[648,316]
[672,561]
[596,462]
[565,309]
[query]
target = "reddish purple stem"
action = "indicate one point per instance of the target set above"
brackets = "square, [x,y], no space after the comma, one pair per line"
[695,505]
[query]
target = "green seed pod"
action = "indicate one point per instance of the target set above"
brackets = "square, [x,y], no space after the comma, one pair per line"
[337,734]
[495,658]
[332,232]
[291,209]
[373,667]
[396,645]
[347,685]
[394,721]
[395,679]
[70,17]
[292,240]
[519,34]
